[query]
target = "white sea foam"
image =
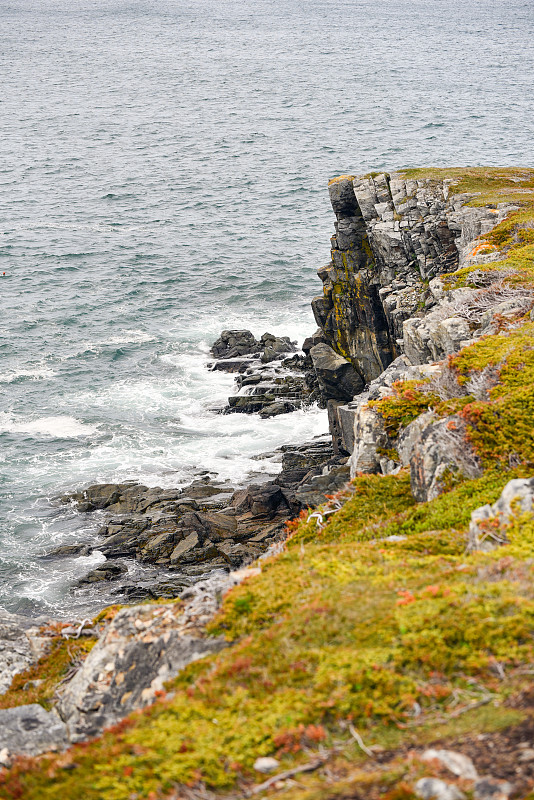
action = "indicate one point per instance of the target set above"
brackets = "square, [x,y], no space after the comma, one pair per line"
[37,373]
[56,427]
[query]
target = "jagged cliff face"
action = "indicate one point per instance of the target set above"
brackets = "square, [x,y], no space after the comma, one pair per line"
[393,236]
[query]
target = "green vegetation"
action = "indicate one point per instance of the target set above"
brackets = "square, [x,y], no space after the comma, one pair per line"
[342,626]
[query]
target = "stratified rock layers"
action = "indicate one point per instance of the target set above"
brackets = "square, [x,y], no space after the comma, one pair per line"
[393,236]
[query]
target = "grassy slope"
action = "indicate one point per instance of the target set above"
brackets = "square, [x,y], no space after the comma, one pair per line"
[345,627]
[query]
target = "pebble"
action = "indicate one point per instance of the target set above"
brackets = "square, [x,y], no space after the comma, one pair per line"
[436,789]
[266,764]
[457,763]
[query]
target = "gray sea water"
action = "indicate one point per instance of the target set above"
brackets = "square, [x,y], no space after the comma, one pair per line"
[163,171]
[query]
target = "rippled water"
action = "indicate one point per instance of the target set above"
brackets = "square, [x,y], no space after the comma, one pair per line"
[163,171]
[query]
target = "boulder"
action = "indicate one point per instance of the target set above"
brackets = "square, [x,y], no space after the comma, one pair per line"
[489,788]
[369,435]
[337,377]
[316,338]
[436,789]
[105,572]
[312,492]
[457,763]
[487,529]
[17,648]
[231,344]
[30,730]
[435,448]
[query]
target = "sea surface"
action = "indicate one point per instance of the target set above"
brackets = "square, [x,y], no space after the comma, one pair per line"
[163,171]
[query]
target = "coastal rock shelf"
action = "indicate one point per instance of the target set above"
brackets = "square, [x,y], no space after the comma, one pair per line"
[188,533]
[269,381]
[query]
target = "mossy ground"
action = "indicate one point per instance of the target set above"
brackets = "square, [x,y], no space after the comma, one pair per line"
[409,639]
[342,626]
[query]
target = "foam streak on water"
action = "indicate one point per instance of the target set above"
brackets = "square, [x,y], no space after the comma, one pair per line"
[162,172]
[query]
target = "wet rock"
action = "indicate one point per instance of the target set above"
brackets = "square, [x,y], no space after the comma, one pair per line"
[235,343]
[275,346]
[487,529]
[126,540]
[337,377]
[106,572]
[274,409]
[436,789]
[30,730]
[457,763]
[68,550]
[184,548]
[97,497]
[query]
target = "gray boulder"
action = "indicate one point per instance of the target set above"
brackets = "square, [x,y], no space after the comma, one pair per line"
[337,377]
[20,647]
[434,448]
[142,647]
[30,730]
[436,789]
[457,763]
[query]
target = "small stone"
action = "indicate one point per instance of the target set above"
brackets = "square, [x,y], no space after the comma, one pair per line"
[435,789]
[457,763]
[489,788]
[527,754]
[266,764]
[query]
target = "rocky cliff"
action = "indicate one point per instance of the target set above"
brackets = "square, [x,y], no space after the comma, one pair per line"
[386,649]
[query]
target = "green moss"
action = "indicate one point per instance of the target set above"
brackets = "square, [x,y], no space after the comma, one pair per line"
[489,185]
[500,429]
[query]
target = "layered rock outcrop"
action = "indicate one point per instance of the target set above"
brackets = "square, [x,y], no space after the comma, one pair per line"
[387,311]
[393,237]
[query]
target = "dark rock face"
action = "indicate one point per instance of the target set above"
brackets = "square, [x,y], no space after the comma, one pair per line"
[337,377]
[392,237]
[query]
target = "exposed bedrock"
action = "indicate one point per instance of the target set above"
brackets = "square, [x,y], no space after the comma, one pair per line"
[393,236]
[271,377]
[206,526]
[386,310]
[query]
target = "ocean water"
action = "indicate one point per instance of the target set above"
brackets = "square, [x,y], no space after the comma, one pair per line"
[163,170]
